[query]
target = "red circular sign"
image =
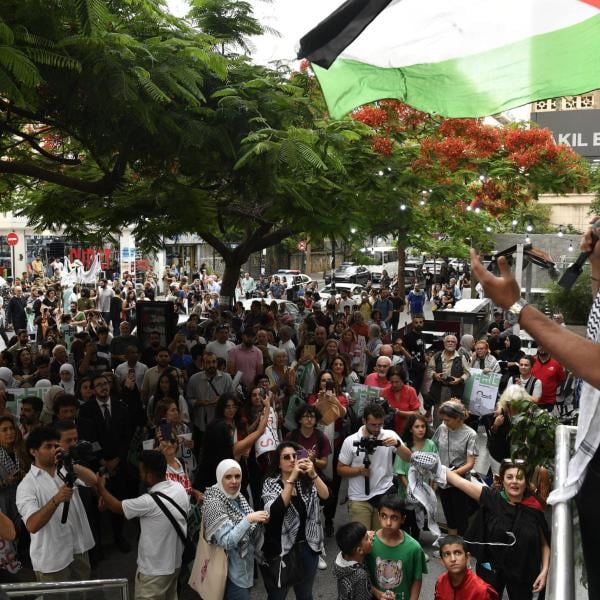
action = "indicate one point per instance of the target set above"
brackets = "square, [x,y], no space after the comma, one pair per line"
[12,239]
[302,245]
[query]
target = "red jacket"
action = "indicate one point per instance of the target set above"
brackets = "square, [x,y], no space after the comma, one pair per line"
[471,588]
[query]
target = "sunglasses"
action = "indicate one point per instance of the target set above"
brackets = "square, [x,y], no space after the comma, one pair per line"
[288,456]
[517,462]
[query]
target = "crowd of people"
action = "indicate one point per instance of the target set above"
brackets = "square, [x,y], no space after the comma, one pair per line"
[248,422]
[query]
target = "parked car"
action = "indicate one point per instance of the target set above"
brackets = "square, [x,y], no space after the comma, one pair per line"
[294,277]
[352,274]
[289,306]
[354,290]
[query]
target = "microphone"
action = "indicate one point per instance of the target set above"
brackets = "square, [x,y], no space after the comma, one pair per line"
[570,276]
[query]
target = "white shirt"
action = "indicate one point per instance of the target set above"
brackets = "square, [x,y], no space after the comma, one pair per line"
[290,348]
[382,475]
[122,371]
[220,350]
[537,386]
[159,548]
[53,546]
[103,299]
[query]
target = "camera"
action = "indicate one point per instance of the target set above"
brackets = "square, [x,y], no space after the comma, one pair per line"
[81,452]
[368,445]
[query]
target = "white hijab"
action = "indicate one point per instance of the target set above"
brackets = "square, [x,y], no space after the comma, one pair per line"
[222,468]
[68,386]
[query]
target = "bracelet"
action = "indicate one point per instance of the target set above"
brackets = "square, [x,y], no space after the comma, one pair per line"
[290,481]
[313,478]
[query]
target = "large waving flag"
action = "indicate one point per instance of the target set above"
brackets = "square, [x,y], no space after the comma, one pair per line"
[457,58]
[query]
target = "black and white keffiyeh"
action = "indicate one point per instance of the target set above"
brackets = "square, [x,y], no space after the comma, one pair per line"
[272,489]
[424,466]
[218,509]
[7,463]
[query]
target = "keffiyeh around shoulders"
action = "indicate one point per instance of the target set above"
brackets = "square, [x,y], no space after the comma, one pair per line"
[218,509]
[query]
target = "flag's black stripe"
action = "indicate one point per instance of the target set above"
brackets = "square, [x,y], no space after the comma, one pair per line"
[323,44]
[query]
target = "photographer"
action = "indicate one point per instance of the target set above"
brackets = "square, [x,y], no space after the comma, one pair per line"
[366,458]
[59,552]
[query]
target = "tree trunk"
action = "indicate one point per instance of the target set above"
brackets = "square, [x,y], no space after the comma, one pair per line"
[401,245]
[231,276]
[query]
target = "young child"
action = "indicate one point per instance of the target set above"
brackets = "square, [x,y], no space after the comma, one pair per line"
[354,542]
[397,562]
[459,581]
[417,436]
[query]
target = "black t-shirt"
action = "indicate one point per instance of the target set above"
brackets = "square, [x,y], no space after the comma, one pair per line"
[414,343]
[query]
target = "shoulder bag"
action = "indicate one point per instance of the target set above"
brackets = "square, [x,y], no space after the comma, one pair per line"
[209,573]
[188,546]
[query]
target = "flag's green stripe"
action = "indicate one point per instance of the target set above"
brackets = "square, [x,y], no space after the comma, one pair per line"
[560,63]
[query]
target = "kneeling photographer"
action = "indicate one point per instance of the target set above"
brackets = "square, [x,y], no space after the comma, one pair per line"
[60,537]
[366,458]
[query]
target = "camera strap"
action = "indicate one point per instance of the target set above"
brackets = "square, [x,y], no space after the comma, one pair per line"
[169,515]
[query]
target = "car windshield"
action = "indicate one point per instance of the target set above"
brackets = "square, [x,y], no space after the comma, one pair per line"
[346,268]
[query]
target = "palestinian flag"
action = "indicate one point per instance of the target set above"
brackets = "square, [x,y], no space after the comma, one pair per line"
[457,58]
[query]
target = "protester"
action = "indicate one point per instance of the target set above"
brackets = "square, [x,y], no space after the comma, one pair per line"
[396,562]
[516,551]
[230,523]
[291,496]
[459,581]
[355,543]
[158,563]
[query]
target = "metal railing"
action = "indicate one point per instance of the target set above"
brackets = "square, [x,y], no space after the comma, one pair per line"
[64,589]
[561,576]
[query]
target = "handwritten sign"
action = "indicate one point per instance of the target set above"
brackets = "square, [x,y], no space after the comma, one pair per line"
[269,440]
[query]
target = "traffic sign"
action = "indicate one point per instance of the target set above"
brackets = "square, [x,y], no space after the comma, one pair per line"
[12,239]
[302,245]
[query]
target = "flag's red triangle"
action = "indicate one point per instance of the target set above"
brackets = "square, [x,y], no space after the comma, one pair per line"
[595,3]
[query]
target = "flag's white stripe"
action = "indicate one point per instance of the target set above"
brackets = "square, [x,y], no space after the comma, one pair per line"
[410,32]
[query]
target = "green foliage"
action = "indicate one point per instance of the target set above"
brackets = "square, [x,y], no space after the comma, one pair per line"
[532,434]
[575,304]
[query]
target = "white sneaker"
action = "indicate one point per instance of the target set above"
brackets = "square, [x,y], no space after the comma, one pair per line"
[322,563]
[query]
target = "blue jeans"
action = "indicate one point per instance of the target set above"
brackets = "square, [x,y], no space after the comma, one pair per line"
[303,590]
[234,592]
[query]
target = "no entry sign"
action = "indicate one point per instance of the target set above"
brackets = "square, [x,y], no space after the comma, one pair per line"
[12,239]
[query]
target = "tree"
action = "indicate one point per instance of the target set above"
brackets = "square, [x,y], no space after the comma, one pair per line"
[458,179]
[90,88]
[244,162]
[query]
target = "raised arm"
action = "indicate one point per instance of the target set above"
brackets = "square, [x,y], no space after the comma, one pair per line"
[473,490]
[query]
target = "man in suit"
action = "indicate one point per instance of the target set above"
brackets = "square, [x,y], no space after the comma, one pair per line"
[113,430]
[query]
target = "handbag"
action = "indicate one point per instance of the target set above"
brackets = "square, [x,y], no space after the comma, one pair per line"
[189,549]
[209,572]
[282,572]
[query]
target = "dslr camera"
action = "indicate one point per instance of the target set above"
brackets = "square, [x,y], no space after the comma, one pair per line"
[367,444]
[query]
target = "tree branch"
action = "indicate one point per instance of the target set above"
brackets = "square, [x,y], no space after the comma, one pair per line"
[101,187]
[217,244]
[34,144]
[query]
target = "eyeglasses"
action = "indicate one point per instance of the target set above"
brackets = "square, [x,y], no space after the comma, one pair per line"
[288,456]
[517,462]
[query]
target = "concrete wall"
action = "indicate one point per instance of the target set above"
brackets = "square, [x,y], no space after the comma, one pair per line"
[570,209]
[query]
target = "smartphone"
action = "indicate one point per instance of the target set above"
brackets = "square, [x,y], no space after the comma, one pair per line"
[329,386]
[310,351]
[302,453]
[34,347]
[166,431]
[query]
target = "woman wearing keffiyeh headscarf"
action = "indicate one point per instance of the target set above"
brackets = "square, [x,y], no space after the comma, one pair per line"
[230,523]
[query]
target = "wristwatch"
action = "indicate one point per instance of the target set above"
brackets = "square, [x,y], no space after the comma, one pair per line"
[512,314]
[398,444]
